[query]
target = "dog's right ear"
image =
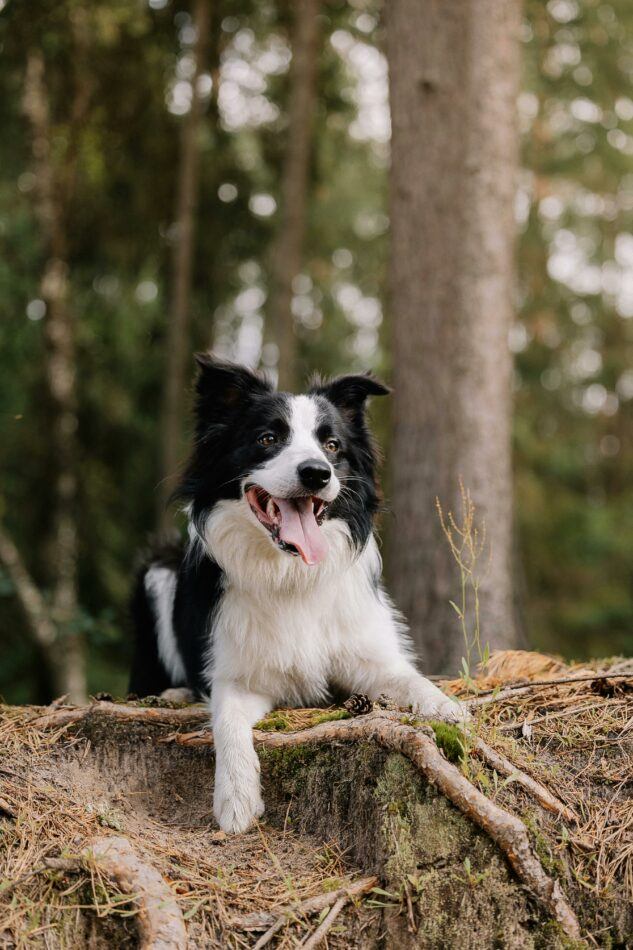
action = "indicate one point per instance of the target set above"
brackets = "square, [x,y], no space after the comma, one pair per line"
[222,387]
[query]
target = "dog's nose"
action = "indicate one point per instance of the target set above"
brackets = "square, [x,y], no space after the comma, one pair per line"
[314,474]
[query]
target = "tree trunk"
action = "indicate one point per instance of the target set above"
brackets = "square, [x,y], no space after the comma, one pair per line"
[287,251]
[36,612]
[178,351]
[54,191]
[454,76]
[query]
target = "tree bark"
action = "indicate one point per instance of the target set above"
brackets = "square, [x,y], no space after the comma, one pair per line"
[54,191]
[178,350]
[287,251]
[454,77]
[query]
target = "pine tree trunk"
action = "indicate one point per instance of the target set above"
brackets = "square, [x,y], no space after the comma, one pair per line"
[54,190]
[178,352]
[454,75]
[287,251]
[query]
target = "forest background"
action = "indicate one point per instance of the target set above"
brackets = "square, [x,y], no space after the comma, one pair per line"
[147,167]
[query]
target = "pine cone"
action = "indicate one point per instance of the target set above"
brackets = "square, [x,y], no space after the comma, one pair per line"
[385,702]
[358,704]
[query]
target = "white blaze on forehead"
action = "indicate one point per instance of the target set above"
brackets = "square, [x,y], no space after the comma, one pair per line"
[303,423]
[279,477]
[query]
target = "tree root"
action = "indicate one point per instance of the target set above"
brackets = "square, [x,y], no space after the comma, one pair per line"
[504,766]
[167,716]
[160,922]
[418,745]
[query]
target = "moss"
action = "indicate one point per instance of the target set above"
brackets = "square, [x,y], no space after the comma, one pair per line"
[285,764]
[278,722]
[275,722]
[543,847]
[332,716]
[451,740]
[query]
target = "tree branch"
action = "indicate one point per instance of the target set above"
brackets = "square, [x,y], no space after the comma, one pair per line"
[28,594]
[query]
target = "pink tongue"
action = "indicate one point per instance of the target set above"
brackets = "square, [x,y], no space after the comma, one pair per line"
[299,527]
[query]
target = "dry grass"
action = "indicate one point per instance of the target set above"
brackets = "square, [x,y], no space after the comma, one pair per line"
[577,739]
[574,738]
[214,877]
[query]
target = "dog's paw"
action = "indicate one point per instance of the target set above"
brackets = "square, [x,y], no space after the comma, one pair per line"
[442,707]
[178,694]
[237,809]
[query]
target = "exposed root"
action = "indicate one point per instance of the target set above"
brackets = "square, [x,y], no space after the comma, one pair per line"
[505,767]
[160,921]
[71,715]
[508,831]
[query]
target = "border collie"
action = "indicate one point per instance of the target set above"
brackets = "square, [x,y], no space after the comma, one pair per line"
[277,597]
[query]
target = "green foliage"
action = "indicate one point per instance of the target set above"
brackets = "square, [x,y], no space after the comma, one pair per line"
[574,462]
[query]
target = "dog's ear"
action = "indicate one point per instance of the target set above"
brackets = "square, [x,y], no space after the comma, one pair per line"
[222,386]
[350,393]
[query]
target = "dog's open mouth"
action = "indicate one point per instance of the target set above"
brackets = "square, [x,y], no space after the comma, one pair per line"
[294,523]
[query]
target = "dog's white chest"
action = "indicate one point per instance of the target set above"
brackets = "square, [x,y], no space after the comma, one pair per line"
[289,642]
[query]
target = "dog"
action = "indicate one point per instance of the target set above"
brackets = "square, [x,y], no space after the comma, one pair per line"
[277,596]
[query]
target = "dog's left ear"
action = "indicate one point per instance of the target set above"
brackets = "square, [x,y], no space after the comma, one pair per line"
[351,392]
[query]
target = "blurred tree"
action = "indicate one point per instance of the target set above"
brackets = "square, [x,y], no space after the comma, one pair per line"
[574,339]
[179,338]
[55,169]
[454,79]
[288,246]
[574,385]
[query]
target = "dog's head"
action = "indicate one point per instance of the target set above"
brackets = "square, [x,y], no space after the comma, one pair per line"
[292,462]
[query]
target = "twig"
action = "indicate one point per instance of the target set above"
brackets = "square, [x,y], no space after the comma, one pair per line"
[325,925]
[270,933]
[504,766]
[311,905]
[509,692]
[562,714]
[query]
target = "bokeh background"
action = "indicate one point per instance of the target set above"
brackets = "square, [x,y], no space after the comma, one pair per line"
[114,85]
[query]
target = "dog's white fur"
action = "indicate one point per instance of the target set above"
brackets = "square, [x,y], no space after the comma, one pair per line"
[284,632]
[160,584]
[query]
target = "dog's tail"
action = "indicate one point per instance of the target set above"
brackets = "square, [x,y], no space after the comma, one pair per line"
[156,665]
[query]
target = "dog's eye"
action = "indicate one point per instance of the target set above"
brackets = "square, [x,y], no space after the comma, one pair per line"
[332,445]
[268,438]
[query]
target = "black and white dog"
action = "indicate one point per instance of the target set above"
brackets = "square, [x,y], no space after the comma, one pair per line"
[277,598]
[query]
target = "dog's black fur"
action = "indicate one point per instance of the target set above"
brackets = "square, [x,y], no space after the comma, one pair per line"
[233,406]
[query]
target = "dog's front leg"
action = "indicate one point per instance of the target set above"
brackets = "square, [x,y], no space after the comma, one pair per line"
[237,799]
